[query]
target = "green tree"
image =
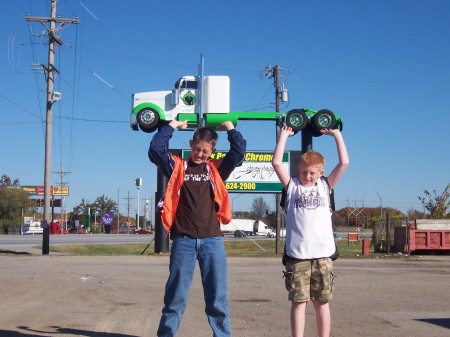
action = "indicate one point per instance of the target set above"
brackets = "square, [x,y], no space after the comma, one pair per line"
[437,204]
[79,212]
[6,181]
[101,205]
[242,215]
[13,203]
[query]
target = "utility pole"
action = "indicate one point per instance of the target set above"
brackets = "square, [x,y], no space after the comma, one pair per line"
[128,208]
[62,174]
[118,212]
[148,211]
[144,225]
[273,72]
[50,70]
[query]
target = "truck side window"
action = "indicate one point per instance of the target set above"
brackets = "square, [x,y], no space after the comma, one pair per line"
[192,85]
[183,84]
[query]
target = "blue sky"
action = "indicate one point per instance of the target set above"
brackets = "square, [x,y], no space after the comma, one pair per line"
[384,66]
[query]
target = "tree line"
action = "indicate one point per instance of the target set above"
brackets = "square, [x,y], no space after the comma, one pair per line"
[14,207]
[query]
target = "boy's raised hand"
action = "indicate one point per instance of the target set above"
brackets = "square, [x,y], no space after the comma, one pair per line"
[178,124]
[225,126]
[329,132]
[287,130]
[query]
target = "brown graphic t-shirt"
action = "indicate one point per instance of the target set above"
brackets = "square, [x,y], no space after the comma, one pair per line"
[196,212]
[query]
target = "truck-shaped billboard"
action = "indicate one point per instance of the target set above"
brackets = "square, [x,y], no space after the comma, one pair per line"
[184,102]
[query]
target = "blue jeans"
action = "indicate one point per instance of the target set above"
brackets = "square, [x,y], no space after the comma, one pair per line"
[210,253]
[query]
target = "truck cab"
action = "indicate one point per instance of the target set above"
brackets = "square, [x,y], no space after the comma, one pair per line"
[153,108]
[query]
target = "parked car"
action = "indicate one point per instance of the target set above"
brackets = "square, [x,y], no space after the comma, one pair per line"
[272,233]
[239,234]
[142,231]
[75,231]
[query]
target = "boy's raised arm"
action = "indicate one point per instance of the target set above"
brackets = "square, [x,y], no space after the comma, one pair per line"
[344,160]
[277,160]
[235,155]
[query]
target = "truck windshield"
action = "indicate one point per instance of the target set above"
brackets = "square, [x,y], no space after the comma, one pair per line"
[183,84]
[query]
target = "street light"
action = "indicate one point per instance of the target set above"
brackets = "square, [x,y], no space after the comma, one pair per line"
[381,205]
[138,185]
[145,214]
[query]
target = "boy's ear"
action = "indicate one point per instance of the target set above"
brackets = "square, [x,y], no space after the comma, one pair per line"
[190,143]
[213,150]
[321,172]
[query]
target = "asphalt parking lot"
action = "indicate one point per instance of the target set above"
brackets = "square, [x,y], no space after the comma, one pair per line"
[122,296]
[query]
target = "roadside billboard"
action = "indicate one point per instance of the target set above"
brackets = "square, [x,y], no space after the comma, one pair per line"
[255,175]
[39,190]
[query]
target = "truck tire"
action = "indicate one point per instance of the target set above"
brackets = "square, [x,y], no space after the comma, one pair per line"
[323,119]
[296,119]
[148,120]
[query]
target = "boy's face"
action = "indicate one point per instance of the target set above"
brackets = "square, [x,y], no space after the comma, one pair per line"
[201,151]
[309,174]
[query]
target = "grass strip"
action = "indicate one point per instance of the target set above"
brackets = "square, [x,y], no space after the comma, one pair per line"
[234,248]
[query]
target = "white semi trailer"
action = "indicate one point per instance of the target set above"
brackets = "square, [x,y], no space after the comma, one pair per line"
[245,227]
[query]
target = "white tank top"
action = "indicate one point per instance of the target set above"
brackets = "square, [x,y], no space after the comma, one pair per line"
[309,233]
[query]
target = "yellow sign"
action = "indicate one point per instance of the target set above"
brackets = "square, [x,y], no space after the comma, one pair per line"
[60,190]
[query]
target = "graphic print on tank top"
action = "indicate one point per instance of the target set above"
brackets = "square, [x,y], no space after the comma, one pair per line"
[309,199]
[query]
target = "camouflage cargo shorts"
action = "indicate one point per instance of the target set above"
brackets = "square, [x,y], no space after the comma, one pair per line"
[309,280]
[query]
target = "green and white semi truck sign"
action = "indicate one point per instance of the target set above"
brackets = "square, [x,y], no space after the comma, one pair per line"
[152,109]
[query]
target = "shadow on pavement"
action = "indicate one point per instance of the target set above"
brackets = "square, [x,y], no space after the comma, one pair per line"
[443,322]
[55,330]
[12,252]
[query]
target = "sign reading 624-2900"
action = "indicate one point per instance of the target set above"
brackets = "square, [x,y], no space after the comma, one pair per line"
[240,186]
[256,173]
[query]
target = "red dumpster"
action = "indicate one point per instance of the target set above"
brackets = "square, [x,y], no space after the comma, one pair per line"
[365,247]
[55,228]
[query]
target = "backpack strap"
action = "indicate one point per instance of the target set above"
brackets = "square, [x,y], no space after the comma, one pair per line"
[330,194]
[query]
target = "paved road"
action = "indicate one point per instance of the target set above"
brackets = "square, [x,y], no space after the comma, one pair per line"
[33,243]
[122,296]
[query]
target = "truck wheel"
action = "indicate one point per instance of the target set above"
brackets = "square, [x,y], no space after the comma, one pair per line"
[147,120]
[324,119]
[296,119]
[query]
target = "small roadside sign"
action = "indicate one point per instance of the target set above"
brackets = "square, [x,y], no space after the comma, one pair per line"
[107,219]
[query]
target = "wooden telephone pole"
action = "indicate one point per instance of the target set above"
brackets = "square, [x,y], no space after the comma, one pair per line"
[274,72]
[50,70]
